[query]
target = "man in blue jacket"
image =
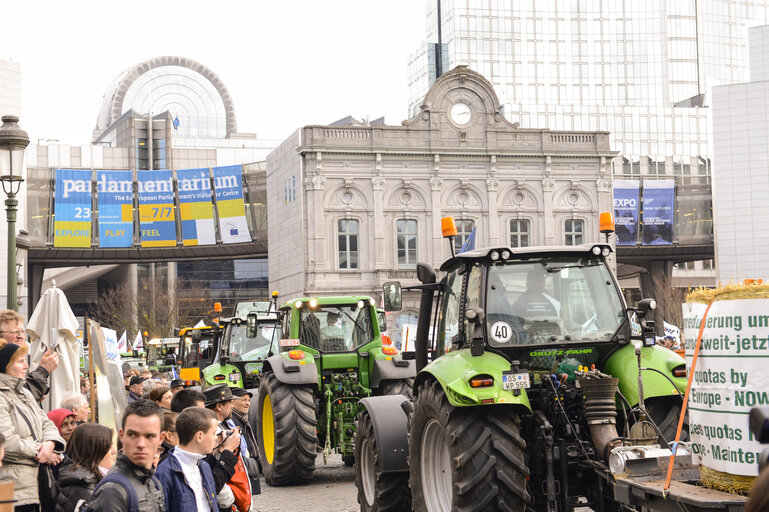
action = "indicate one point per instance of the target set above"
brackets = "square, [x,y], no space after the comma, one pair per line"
[187,480]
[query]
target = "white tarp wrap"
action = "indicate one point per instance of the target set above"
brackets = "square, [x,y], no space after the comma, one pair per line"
[53,326]
[729,380]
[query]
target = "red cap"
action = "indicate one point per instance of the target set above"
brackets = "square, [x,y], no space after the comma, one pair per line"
[57,416]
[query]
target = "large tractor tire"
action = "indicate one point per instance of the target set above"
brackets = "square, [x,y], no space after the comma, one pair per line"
[377,491]
[468,459]
[286,432]
[397,387]
[666,411]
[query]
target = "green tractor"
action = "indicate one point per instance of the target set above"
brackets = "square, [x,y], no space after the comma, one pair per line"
[245,340]
[331,356]
[537,389]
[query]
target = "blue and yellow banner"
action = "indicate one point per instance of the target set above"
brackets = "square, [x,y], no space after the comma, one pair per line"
[72,209]
[156,208]
[116,215]
[228,184]
[196,207]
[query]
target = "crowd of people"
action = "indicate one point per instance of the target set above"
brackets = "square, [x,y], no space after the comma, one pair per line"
[178,448]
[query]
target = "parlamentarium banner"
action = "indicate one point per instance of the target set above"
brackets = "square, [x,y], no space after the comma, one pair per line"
[228,184]
[196,206]
[156,208]
[116,216]
[72,208]
[730,379]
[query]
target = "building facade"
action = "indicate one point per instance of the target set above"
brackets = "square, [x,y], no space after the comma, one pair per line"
[642,71]
[741,178]
[352,207]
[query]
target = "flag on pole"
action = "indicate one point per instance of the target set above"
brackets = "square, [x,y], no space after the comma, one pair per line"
[469,244]
[122,344]
[138,341]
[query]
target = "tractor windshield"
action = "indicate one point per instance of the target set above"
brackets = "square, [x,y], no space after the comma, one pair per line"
[337,328]
[243,348]
[551,300]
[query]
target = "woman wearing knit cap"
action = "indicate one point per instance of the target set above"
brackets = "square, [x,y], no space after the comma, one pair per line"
[31,437]
[65,420]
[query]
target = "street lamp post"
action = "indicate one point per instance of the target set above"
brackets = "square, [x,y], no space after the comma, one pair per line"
[13,142]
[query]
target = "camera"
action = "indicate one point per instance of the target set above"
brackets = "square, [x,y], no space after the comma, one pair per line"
[759,426]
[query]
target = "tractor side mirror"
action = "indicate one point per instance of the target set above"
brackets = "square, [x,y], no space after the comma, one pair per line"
[251,325]
[393,297]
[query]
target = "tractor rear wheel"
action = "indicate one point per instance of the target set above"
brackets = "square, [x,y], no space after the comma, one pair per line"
[666,411]
[465,458]
[377,491]
[286,432]
[397,387]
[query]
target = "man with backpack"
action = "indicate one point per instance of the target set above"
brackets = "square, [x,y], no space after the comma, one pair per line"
[130,485]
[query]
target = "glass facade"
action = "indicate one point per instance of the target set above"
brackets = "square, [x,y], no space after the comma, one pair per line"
[640,70]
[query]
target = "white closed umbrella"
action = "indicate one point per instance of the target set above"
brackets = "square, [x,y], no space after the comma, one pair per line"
[52,326]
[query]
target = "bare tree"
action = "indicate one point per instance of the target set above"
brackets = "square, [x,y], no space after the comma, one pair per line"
[158,308]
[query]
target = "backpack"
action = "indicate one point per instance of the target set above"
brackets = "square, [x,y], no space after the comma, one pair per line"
[118,478]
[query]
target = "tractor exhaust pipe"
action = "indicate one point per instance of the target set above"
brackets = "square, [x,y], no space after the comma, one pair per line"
[601,412]
[426,276]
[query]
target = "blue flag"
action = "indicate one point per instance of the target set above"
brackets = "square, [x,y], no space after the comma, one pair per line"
[469,244]
[176,123]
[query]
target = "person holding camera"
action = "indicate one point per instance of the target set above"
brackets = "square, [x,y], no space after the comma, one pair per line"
[219,400]
[248,447]
[188,483]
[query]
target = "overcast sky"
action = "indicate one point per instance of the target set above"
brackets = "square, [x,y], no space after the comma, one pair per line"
[286,63]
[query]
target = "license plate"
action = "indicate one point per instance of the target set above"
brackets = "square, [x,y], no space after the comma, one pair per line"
[235,377]
[512,380]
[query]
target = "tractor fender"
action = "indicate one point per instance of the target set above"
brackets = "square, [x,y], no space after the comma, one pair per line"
[454,370]
[288,371]
[391,428]
[387,370]
[622,364]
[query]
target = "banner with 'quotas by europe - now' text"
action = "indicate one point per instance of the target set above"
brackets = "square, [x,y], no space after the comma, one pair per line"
[729,380]
[72,208]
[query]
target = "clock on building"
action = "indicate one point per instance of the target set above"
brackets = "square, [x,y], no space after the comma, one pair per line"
[460,113]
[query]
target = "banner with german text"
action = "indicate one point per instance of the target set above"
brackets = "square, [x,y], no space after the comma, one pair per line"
[196,206]
[116,201]
[626,211]
[658,202]
[72,209]
[228,184]
[156,208]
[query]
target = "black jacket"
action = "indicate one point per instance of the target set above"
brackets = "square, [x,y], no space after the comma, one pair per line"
[222,467]
[37,382]
[75,484]
[112,497]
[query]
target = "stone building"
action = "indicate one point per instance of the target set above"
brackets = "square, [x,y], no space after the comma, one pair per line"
[354,206]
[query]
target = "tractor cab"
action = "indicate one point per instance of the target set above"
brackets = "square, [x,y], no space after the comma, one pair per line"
[162,353]
[197,348]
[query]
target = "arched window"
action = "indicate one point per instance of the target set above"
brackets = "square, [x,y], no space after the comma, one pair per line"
[464,230]
[574,230]
[407,243]
[519,233]
[348,243]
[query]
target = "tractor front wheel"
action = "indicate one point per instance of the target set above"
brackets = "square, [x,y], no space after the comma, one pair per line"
[286,432]
[377,491]
[465,458]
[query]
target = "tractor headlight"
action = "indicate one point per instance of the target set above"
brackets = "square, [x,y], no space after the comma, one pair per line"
[313,303]
[494,256]
[597,250]
[361,304]
[372,302]
[506,254]
[298,304]
[605,252]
